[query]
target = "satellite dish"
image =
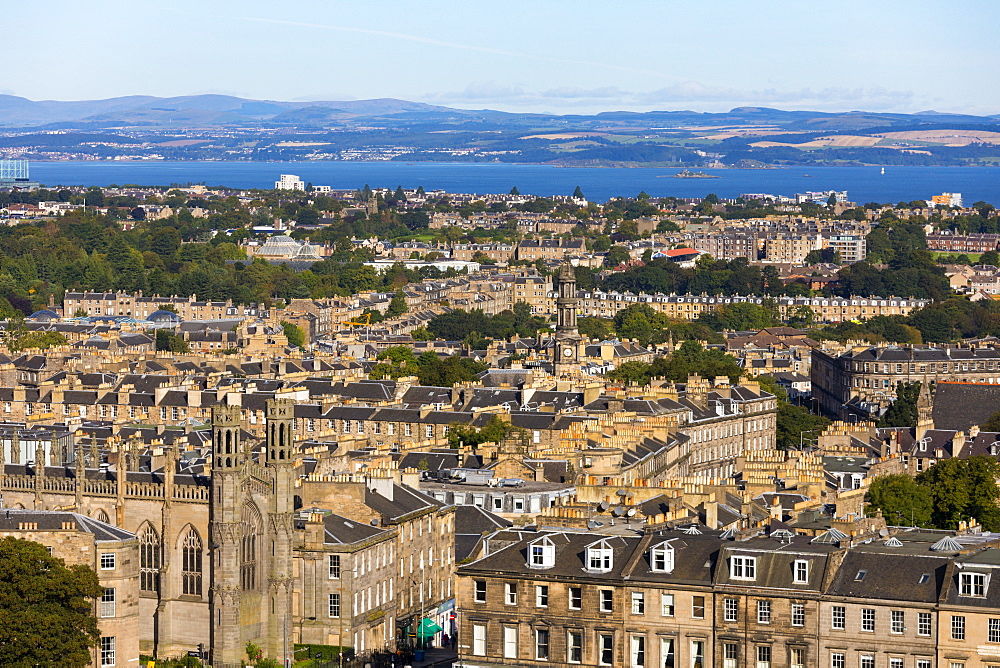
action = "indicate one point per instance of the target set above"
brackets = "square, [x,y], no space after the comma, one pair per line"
[603,506]
[631,512]
[883,532]
[618,511]
[592,524]
[621,492]
[374,522]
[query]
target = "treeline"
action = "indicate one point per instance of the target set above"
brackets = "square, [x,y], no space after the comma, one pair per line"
[475,326]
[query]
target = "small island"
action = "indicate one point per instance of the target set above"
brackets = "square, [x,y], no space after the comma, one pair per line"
[688,174]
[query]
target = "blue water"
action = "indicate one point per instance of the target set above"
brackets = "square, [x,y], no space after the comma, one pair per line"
[863,184]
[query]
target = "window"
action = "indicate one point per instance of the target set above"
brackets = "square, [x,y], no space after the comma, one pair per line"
[542,644]
[923,623]
[479,595]
[667,652]
[697,654]
[107,561]
[730,655]
[607,600]
[574,647]
[667,605]
[638,651]
[973,584]
[698,607]
[763,612]
[333,562]
[149,559]
[957,664]
[638,603]
[510,642]
[479,639]
[428,431]
[661,558]
[837,660]
[860,576]
[542,553]
[896,619]
[575,598]
[599,556]
[923,663]
[957,627]
[867,661]
[335,605]
[798,614]
[895,662]
[607,649]
[541,596]
[763,656]
[868,619]
[839,617]
[107,651]
[994,630]
[347,426]
[248,547]
[800,571]
[743,568]
[108,602]
[797,657]
[731,610]
[510,593]
[191,554]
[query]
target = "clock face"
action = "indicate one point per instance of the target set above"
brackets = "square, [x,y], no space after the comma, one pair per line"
[567,352]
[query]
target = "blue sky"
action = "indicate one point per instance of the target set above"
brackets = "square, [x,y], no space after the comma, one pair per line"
[560,56]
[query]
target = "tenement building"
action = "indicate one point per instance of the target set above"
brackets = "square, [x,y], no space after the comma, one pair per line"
[697,598]
[862,381]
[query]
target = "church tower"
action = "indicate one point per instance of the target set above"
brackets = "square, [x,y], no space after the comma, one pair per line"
[279,452]
[226,532]
[565,348]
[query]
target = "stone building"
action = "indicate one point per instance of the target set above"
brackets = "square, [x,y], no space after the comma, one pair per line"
[862,381]
[112,553]
[698,598]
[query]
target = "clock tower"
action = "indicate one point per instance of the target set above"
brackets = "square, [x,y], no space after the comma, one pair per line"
[565,345]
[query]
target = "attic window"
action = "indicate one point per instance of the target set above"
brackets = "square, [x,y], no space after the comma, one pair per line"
[924,578]
[599,557]
[661,558]
[860,576]
[542,553]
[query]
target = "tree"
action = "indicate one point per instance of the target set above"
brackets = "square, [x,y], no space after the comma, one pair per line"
[990,257]
[901,500]
[397,306]
[46,607]
[167,340]
[294,334]
[515,191]
[903,411]
[993,423]
[578,193]
[961,489]
[616,255]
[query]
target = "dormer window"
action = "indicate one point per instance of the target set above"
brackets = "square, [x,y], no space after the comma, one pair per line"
[661,558]
[542,553]
[800,571]
[973,584]
[599,557]
[743,568]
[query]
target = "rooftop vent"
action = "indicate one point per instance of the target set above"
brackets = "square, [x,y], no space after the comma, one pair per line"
[893,542]
[946,544]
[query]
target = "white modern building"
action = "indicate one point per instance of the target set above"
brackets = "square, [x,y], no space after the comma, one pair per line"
[289,182]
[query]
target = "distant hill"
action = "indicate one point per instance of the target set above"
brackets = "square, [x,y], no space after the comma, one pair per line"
[143,126]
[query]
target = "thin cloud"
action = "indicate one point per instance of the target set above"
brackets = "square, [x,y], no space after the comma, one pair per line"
[450,45]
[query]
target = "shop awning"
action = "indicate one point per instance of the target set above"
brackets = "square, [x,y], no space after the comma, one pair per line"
[427,627]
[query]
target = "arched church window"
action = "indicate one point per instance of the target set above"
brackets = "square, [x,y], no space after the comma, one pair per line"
[249,547]
[149,559]
[191,563]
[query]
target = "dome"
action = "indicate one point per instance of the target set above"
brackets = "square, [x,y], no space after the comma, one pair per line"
[45,315]
[287,247]
[163,316]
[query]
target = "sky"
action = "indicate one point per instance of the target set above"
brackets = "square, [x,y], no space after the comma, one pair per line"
[555,56]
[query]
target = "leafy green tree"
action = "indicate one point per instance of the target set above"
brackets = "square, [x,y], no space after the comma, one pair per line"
[901,500]
[395,362]
[294,334]
[993,423]
[961,489]
[594,328]
[616,255]
[397,306]
[990,257]
[493,431]
[168,341]
[578,193]
[903,411]
[46,608]
[794,425]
